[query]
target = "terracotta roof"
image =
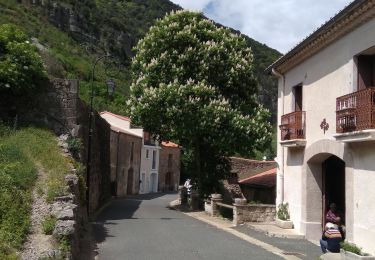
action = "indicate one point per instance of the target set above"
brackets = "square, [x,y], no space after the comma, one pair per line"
[115,115]
[352,16]
[245,168]
[267,178]
[169,144]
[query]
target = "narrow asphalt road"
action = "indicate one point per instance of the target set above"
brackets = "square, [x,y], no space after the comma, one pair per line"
[143,228]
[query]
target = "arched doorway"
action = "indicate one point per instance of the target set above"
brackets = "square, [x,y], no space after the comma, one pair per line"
[168,182]
[129,189]
[327,175]
[333,186]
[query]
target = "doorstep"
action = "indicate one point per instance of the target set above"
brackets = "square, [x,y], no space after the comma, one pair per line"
[270,229]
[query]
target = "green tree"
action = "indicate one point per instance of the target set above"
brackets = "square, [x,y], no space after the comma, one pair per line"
[21,67]
[193,83]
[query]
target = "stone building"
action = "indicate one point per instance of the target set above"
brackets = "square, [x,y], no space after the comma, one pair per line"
[326,117]
[169,167]
[126,148]
[251,179]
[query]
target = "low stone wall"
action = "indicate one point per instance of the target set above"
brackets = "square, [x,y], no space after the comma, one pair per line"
[253,213]
[242,212]
[70,216]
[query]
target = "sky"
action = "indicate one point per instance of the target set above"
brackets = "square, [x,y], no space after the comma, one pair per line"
[280,24]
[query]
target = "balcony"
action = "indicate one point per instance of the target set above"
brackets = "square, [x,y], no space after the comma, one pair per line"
[355,116]
[293,129]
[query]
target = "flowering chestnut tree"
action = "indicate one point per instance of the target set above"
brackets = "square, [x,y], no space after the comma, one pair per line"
[193,82]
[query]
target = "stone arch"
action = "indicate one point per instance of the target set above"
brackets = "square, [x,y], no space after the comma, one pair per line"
[312,177]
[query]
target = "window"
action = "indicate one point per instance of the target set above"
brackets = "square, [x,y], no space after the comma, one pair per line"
[147,154]
[154,160]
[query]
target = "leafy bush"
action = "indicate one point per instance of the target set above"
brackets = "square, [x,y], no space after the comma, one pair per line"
[48,225]
[283,211]
[21,67]
[74,145]
[351,248]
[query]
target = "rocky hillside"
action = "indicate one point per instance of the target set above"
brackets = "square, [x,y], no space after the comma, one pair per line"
[116,26]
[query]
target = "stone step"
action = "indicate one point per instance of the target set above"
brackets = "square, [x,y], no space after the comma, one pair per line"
[270,229]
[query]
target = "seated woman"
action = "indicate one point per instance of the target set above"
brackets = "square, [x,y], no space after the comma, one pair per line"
[333,216]
[331,239]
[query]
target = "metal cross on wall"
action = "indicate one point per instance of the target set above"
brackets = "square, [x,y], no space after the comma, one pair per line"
[324,125]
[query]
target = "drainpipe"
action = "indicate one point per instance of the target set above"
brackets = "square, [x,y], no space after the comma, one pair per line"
[280,161]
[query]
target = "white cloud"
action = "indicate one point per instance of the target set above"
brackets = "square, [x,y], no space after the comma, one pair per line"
[280,24]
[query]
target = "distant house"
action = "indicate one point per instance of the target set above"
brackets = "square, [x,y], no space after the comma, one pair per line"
[251,179]
[149,177]
[169,167]
[139,165]
[326,118]
[125,149]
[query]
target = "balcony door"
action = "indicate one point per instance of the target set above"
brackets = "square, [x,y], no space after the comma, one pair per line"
[366,71]
[297,92]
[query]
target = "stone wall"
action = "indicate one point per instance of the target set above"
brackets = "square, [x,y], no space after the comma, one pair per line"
[59,108]
[123,163]
[253,213]
[71,216]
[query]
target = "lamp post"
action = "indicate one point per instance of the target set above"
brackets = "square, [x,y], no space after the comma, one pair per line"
[110,90]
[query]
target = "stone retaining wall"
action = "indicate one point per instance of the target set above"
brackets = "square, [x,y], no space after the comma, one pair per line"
[243,212]
[253,213]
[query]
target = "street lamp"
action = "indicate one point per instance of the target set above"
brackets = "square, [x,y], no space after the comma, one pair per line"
[110,90]
[111,86]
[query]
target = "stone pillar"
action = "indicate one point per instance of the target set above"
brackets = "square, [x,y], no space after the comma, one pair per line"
[238,211]
[183,194]
[215,198]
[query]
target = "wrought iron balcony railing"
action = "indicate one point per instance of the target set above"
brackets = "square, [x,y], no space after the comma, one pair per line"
[356,111]
[293,126]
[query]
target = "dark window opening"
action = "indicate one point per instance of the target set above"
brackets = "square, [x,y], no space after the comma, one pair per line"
[297,91]
[366,71]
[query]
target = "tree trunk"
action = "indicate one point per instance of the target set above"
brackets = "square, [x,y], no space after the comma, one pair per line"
[197,155]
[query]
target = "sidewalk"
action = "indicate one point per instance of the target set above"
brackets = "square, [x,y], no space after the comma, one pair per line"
[288,245]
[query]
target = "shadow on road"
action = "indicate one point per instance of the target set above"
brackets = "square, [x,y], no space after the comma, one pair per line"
[118,209]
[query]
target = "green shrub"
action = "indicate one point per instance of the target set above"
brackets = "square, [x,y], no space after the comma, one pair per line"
[283,211]
[21,66]
[64,244]
[48,225]
[351,248]
[74,145]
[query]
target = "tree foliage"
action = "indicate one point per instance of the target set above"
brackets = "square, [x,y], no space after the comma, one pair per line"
[194,83]
[21,67]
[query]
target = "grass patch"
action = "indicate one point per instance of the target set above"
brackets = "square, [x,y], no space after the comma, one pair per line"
[21,152]
[48,225]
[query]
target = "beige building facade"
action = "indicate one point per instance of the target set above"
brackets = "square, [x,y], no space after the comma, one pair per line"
[149,175]
[326,118]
